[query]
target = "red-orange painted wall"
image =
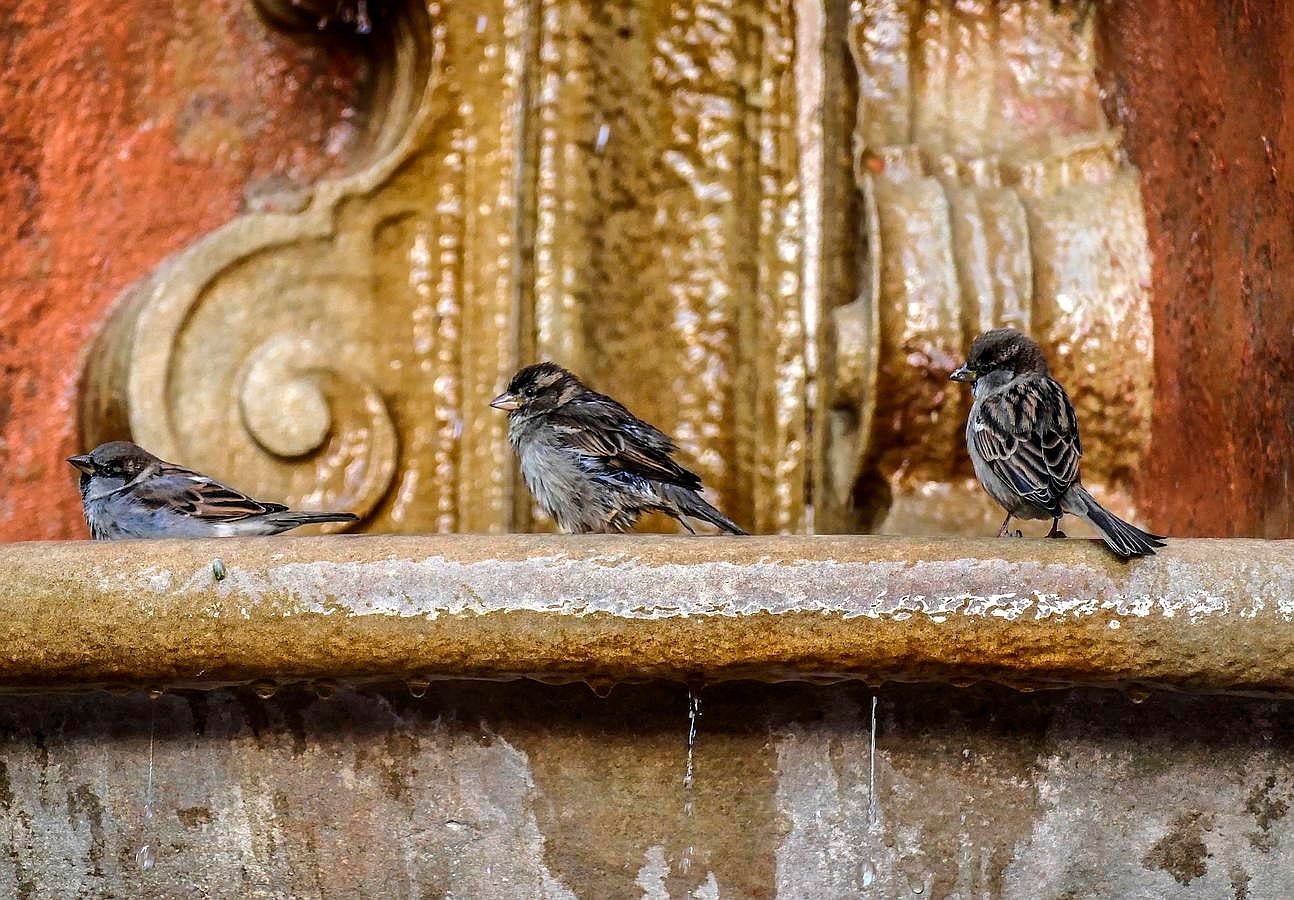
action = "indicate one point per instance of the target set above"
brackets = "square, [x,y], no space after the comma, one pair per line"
[1205,95]
[127,130]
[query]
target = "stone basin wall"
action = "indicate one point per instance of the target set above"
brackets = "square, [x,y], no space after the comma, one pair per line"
[524,790]
[294,722]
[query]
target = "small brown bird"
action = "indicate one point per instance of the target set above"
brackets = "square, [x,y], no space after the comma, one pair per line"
[593,466]
[1022,435]
[127,492]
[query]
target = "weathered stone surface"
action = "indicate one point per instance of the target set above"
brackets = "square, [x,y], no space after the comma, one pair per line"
[1201,91]
[523,790]
[1201,616]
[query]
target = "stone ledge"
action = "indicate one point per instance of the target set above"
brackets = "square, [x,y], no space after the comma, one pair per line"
[1204,615]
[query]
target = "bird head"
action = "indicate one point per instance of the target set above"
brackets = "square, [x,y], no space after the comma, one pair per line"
[115,461]
[1001,350]
[537,388]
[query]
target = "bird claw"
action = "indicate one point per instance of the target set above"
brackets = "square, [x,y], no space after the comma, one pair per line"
[1017,533]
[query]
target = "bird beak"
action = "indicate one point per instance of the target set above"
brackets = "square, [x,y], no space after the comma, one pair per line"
[505,401]
[83,463]
[963,374]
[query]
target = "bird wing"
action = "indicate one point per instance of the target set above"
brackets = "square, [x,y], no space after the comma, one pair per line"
[1028,435]
[603,430]
[193,494]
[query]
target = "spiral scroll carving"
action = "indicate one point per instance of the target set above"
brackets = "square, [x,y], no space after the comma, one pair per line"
[296,402]
[342,356]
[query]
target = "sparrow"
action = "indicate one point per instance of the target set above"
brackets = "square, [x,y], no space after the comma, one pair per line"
[127,492]
[592,465]
[1022,435]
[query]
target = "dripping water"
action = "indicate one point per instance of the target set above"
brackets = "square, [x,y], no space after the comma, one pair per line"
[871,773]
[144,856]
[693,713]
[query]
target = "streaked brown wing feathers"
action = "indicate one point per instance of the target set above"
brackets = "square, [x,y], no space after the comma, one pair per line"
[194,494]
[607,431]
[1030,440]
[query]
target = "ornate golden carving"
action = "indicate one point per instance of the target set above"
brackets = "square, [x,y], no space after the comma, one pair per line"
[994,193]
[647,193]
[668,232]
[611,187]
[343,355]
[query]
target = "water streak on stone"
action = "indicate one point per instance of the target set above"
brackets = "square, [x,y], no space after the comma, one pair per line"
[693,713]
[871,767]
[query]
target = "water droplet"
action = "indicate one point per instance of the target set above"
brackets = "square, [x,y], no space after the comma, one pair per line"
[144,857]
[265,689]
[918,887]
[155,693]
[417,687]
[218,569]
[481,22]
[325,688]
[604,135]
[602,687]
[1138,694]
[693,713]
[363,24]
[869,873]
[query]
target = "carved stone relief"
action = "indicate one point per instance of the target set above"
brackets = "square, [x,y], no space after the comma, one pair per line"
[994,193]
[343,354]
[633,189]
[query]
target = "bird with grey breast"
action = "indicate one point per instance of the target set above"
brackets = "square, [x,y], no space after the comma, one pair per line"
[127,492]
[592,465]
[1022,436]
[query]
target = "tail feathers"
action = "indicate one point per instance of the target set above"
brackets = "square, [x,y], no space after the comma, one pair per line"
[1127,541]
[690,503]
[289,519]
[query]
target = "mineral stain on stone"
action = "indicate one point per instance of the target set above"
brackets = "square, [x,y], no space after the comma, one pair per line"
[1181,852]
[1266,811]
[194,816]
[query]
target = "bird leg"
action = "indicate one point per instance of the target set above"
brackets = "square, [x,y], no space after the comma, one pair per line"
[1002,532]
[1055,529]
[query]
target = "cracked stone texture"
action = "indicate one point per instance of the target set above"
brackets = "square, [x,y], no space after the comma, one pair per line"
[525,790]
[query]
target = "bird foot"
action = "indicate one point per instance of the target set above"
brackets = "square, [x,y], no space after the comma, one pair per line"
[1056,533]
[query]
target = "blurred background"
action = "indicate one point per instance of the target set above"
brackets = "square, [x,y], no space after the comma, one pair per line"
[299,244]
